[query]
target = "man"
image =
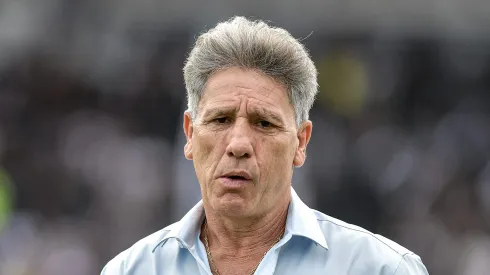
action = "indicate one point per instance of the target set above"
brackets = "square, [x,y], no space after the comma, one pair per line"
[250,88]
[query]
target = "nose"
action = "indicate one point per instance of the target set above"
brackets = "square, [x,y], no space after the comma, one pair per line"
[240,142]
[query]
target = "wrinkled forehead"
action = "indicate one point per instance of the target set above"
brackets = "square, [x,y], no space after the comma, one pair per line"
[234,85]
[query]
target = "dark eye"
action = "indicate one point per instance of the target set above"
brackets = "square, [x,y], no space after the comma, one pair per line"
[264,124]
[221,120]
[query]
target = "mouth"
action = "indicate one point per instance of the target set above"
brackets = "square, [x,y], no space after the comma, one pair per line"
[238,175]
[236,179]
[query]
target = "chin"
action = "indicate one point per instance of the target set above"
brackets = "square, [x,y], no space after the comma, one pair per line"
[233,207]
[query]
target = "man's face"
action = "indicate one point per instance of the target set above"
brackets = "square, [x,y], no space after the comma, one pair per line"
[244,143]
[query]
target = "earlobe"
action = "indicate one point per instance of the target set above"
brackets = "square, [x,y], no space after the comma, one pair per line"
[188,150]
[188,130]
[304,134]
[299,158]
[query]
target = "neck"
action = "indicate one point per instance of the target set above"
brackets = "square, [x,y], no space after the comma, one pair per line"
[246,236]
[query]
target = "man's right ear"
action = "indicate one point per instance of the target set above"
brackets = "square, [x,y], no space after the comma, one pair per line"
[188,130]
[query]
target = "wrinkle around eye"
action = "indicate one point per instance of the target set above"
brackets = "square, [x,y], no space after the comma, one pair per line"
[221,121]
[217,122]
[268,124]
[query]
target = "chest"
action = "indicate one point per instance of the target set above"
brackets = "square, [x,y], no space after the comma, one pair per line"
[234,268]
[300,258]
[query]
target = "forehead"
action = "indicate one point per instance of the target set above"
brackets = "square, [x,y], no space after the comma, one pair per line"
[232,86]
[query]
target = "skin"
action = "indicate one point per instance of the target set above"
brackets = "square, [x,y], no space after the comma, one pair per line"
[245,123]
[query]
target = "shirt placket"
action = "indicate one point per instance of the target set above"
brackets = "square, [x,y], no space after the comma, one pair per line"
[268,265]
[203,268]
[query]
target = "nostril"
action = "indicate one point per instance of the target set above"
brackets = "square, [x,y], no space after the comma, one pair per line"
[239,150]
[245,155]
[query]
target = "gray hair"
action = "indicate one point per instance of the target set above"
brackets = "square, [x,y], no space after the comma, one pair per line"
[240,42]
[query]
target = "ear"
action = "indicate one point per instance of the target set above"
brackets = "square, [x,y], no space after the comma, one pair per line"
[188,130]
[304,134]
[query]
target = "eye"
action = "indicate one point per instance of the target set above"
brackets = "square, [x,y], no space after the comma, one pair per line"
[264,124]
[221,120]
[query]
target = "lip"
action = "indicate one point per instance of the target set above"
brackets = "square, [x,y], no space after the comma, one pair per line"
[239,173]
[228,182]
[233,184]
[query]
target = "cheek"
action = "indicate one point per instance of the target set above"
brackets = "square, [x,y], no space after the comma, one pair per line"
[278,157]
[284,148]
[205,148]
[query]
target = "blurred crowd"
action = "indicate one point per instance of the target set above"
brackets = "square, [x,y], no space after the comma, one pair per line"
[91,146]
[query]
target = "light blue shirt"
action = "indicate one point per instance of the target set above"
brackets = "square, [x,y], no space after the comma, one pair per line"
[313,243]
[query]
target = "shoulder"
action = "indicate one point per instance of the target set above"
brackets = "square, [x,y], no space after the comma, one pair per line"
[349,241]
[140,251]
[337,231]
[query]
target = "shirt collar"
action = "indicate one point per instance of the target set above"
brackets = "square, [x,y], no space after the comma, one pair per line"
[301,221]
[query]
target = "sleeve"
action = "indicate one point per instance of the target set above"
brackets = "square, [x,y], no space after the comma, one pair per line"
[411,264]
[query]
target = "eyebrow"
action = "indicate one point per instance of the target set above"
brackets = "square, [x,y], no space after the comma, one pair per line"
[227,111]
[269,114]
[219,111]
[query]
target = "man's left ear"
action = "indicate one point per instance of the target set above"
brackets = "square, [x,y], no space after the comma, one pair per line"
[304,134]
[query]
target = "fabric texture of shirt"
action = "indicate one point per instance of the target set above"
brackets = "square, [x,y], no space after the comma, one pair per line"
[313,243]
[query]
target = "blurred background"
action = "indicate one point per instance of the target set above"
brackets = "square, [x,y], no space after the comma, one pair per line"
[91,103]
